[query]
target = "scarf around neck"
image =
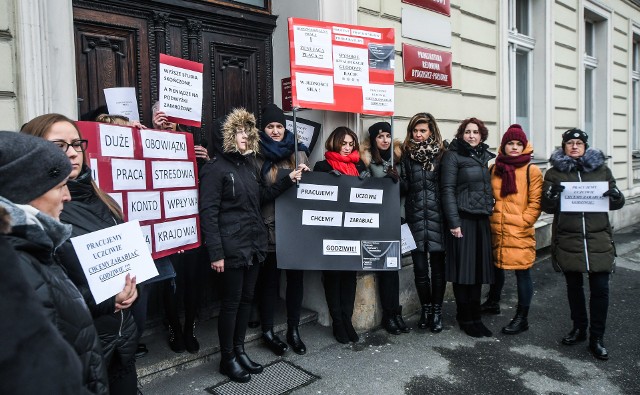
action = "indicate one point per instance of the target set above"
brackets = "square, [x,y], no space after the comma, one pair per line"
[424,152]
[506,169]
[276,151]
[344,164]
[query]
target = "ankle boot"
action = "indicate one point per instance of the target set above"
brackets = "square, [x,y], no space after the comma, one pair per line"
[389,323]
[490,306]
[576,336]
[176,339]
[476,317]
[465,322]
[424,316]
[274,343]
[340,332]
[436,323]
[351,331]
[294,340]
[190,342]
[400,321]
[230,367]
[519,323]
[245,361]
[596,346]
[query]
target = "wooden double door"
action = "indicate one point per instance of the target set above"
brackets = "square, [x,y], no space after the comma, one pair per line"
[118,44]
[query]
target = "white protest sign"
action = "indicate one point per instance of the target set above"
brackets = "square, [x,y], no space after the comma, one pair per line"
[340,247]
[163,145]
[305,132]
[318,192]
[407,242]
[174,234]
[368,196]
[180,203]
[312,46]
[315,87]
[584,197]
[321,218]
[128,174]
[172,174]
[116,141]
[377,97]
[351,66]
[144,205]
[361,220]
[122,101]
[181,90]
[107,255]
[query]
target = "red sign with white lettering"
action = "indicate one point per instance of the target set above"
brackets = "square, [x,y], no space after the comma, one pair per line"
[440,6]
[427,66]
[339,67]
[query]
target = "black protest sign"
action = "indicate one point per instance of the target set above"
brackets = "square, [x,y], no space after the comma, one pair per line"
[339,223]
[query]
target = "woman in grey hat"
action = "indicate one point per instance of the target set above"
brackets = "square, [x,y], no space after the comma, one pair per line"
[34,176]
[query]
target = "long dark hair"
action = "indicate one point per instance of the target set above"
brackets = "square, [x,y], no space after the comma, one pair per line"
[335,139]
[423,117]
[40,127]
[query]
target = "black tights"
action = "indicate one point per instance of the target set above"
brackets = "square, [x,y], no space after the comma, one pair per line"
[340,291]
[187,283]
[429,291]
[268,289]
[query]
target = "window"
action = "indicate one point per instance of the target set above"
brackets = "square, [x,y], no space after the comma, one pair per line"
[635,92]
[590,64]
[521,45]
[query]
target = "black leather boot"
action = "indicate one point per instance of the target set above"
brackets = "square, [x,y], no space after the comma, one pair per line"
[176,339]
[576,336]
[340,332]
[351,331]
[274,343]
[436,323]
[476,317]
[190,341]
[519,323]
[423,322]
[230,367]
[245,361]
[400,321]
[490,306]
[465,322]
[294,340]
[596,346]
[389,323]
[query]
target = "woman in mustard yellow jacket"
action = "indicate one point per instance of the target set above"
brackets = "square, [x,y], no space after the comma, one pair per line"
[517,190]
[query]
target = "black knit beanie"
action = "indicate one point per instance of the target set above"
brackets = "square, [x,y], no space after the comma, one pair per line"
[272,113]
[377,128]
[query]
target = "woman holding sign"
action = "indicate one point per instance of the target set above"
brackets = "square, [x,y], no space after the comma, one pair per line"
[517,186]
[423,148]
[467,202]
[231,193]
[582,242]
[342,157]
[277,159]
[89,210]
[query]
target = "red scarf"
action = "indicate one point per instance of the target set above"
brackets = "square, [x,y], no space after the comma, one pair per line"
[506,168]
[344,164]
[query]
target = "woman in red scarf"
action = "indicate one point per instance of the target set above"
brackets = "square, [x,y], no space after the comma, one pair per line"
[342,156]
[517,188]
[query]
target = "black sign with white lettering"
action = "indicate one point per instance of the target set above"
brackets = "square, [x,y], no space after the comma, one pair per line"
[339,223]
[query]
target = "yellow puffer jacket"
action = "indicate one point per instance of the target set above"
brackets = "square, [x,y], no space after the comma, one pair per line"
[513,234]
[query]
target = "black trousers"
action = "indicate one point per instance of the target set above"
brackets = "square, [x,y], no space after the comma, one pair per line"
[187,284]
[123,379]
[598,302]
[429,290]
[467,299]
[389,288]
[340,292]
[238,286]
[268,290]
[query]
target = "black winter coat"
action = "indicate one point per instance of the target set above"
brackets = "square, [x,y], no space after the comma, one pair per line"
[423,210]
[87,213]
[63,304]
[580,242]
[231,194]
[465,181]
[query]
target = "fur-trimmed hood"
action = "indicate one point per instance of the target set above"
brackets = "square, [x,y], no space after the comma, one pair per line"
[5,221]
[592,160]
[237,119]
[365,151]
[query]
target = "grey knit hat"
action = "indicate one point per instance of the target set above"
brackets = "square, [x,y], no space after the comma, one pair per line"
[29,166]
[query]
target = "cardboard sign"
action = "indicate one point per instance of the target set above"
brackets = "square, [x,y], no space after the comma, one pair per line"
[122,101]
[440,6]
[181,90]
[339,223]
[427,66]
[584,197]
[340,67]
[308,131]
[108,255]
[153,176]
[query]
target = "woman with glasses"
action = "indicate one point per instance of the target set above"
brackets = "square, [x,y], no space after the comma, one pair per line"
[89,210]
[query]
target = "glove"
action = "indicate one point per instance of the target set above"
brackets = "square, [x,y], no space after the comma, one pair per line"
[393,174]
[613,193]
[364,175]
[554,190]
[335,173]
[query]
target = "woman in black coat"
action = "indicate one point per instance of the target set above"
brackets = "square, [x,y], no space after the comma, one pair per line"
[89,210]
[423,148]
[342,157]
[231,193]
[467,202]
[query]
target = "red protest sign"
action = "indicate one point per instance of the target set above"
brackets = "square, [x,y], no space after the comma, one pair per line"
[153,175]
[340,67]
[427,66]
[286,94]
[180,91]
[440,6]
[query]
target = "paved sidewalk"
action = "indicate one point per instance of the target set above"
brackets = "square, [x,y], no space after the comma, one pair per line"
[533,362]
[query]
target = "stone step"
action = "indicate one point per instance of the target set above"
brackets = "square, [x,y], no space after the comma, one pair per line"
[162,362]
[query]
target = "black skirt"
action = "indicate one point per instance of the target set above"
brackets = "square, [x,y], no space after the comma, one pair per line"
[469,259]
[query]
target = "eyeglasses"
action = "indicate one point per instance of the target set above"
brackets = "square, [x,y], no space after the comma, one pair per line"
[78,145]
